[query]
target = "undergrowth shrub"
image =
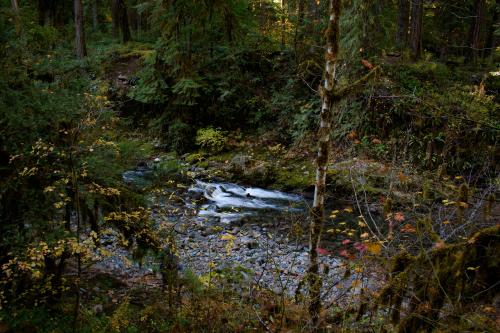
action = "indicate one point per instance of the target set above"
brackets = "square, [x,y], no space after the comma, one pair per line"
[210,139]
[179,137]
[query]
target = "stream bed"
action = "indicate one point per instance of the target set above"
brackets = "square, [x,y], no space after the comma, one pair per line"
[221,226]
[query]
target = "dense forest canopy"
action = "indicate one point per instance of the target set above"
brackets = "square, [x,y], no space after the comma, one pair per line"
[249,165]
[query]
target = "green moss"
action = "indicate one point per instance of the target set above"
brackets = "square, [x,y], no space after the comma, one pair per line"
[294,178]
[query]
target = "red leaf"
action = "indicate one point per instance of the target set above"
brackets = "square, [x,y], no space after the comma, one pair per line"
[360,247]
[344,253]
[408,228]
[322,251]
[346,241]
[399,217]
[367,64]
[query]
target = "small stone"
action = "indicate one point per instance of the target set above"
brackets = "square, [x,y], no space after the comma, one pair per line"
[98,308]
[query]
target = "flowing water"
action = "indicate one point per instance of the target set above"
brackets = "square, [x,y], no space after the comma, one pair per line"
[231,202]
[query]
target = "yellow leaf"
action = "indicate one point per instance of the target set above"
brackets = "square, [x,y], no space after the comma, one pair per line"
[374,248]
[472,268]
[228,237]
[365,235]
[348,210]
[356,283]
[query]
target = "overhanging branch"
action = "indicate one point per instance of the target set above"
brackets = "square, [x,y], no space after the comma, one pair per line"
[351,88]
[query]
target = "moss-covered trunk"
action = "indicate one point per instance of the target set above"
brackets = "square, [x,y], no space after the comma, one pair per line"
[327,103]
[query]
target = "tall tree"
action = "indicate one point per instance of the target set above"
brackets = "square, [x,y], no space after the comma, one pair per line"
[331,96]
[299,25]
[492,41]
[17,19]
[318,210]
[124,24]
[95,21]
[15,6]
[120,20]
[475,30]
[115,18]
[416,22]
[81,48]
[403,20]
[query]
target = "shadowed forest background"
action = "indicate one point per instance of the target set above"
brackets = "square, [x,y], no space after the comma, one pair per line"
[249,166]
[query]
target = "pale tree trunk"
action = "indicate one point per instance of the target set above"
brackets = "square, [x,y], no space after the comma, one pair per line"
[318,210]
[17,19]
[15,7]
[417,13]
[81,49]
[403,20]
[95,22]
[331,95]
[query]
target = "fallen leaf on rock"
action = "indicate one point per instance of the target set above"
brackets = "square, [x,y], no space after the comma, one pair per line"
[322,251]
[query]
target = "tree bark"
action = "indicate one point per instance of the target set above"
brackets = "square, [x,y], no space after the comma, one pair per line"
[475,32]
[115,17]
[124,24]
[41,11]
[317,212]
[17,19]
[492,41]
[283,23]
[299,26]
[132,16]
[416,21]
[331,95]
[95,21]
[403,21]
[81,49]
[15,7]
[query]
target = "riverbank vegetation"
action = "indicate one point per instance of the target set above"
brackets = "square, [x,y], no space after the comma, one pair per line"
[249,165]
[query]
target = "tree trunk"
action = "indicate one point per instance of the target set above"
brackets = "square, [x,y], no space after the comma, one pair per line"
[115,14]
[15,7]
[17,19]
[41,11]
[95,21]
[475,32]
[283,23]
[327,103]
[416,21]
[81,49]
[403,20]
[299,26]
[132,16]
[492,41]
[123,16]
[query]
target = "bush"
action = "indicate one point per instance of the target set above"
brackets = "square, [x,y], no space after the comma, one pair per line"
[210,139]
[179,137]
